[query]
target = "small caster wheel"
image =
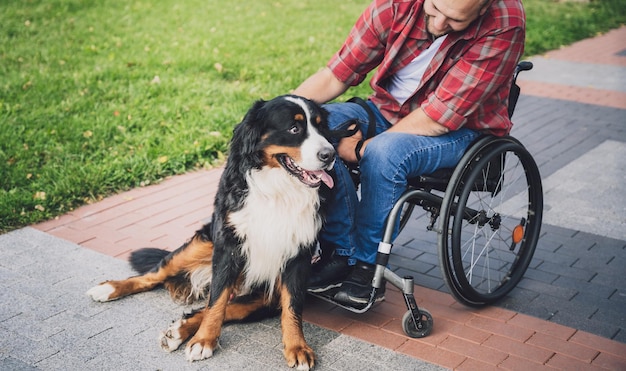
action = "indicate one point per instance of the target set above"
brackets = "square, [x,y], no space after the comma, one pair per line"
[425,328]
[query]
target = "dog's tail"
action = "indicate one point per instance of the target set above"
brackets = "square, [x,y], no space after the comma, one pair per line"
[146,259]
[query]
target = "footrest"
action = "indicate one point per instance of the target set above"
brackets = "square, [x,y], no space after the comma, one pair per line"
[329,295]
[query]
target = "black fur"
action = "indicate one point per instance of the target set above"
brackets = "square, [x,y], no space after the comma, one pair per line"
[287,134]
[264,124]
[147,259]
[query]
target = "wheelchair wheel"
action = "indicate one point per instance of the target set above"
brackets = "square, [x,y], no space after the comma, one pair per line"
[409,327]
[491,220]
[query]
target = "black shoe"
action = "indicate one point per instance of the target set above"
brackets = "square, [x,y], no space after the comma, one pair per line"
[357,288]
[328,274]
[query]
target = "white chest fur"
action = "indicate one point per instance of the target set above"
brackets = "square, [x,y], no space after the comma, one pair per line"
[279,217]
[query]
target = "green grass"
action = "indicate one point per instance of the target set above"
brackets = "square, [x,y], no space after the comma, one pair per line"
[551,24]
[97,97]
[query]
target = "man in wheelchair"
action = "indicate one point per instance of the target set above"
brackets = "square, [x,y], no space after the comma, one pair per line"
[444,70]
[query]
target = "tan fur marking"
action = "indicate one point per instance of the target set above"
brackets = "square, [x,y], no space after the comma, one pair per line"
[318,120]
[271,151]
[299,117]
[211,326]
[197,254]
[180,292]
[270,160]
[239,311]
[189,326]
[297,351]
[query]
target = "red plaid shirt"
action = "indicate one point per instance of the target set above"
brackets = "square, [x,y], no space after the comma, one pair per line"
[466,84]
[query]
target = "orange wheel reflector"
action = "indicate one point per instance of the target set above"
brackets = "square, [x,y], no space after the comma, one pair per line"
[518,234]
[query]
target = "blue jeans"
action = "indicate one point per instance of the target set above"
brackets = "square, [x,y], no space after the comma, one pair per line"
[354,227]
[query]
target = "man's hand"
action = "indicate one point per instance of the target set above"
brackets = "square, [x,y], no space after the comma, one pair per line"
[347,145]
[417,122]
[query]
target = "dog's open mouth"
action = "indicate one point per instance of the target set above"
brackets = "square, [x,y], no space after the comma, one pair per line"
[312,178]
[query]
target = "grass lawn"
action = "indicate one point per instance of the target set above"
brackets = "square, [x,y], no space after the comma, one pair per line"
[99,96]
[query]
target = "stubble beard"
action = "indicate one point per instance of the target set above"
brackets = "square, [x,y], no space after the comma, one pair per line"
[430,31]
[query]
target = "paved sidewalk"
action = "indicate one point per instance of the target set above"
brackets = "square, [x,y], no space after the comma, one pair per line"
[569,312]
[48,322]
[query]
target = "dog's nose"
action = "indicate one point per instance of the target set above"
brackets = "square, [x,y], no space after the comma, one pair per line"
[326,155]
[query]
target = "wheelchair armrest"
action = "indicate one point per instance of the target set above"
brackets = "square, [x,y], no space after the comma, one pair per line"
[515,90]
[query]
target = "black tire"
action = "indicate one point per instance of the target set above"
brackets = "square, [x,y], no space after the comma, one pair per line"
[490,223]
[408,324]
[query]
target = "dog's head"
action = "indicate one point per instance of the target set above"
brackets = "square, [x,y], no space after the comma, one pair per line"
[287,132]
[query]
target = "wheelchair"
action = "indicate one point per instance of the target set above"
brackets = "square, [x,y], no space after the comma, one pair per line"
[487,215]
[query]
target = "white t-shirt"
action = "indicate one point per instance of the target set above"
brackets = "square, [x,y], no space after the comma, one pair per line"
[404,82]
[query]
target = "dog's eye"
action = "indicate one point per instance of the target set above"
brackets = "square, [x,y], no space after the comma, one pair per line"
[295,129]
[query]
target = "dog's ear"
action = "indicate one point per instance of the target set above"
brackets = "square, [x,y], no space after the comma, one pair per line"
[247,136]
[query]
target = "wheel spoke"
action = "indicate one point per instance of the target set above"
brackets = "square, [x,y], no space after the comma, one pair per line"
[499,188]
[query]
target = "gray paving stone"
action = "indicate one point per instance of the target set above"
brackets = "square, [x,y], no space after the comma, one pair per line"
[584,287]
[9,277]
[619,297]
[541,276]
[406,252]
[12,364]
[371,357]
[28,350]
[542,124]
[546,307]
[430,258]
[610,313]
[620,336]
[328,358]
[414,265]
[569,318]
[558,234]
[548,289]
[605,262]
[609,280]
[52,325]
[554,257]
[428,281]
[518,298]
[576,74]
[576,273]
[549,242]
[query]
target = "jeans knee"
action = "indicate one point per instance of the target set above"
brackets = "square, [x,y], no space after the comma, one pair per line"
[380,154]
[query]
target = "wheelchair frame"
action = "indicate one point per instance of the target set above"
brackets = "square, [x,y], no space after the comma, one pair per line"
[498,249]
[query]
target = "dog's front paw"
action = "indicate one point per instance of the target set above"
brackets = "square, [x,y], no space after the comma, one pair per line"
[171,338]
[199,349]
[102,292]
[301,357]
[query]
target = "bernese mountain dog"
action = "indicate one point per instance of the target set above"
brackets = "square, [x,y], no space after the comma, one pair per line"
[254,257]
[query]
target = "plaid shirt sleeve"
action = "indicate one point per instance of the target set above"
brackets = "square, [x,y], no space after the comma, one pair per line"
[364,49]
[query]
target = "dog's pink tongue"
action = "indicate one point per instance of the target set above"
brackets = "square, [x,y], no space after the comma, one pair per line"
[326,178]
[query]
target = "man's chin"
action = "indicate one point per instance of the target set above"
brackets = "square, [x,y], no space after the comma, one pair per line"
[437,34]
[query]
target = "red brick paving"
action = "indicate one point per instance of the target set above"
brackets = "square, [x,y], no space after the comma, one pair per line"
[600,50]
[164,215]
[614,99]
